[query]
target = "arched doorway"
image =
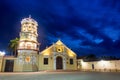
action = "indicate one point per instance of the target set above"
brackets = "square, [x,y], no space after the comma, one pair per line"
[59,63]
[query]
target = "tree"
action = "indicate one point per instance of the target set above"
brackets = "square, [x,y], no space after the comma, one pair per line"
[13,46]
[90,57]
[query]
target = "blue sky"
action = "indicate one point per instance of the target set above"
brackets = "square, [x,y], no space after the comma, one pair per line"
[86,26]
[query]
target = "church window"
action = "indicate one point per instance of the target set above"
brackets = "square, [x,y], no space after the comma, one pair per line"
[46,61]
[58,49]
[71,61]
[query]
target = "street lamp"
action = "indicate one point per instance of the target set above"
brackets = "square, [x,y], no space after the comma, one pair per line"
[2,53]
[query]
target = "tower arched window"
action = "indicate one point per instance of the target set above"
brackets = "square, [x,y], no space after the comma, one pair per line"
[28,46]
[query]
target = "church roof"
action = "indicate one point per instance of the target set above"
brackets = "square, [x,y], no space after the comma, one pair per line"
[59,42]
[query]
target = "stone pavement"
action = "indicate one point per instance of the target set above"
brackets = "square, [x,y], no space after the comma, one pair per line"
[60,75]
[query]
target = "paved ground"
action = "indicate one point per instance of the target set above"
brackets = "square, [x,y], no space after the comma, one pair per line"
[60,76]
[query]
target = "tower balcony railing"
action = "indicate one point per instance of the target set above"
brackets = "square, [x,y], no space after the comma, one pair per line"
[28,48]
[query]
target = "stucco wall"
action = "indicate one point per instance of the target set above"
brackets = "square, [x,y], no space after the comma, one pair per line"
[71,66]
[112,65]
[52,62]
[1,60]
[45,67]
[22,64]
[17,67]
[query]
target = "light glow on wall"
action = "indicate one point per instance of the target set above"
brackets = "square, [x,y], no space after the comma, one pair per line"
[84,65]
[71,54]
[22,44]
[47,52]
[59,42]
[104,64]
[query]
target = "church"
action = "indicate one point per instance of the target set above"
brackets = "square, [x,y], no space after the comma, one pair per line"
[29,59]
[55,57]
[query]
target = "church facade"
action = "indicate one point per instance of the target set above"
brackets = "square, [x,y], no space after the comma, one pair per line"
[56,57]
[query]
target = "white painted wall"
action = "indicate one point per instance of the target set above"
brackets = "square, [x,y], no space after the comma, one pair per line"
[99,65]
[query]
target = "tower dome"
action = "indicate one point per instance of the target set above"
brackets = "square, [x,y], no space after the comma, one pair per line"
[29,20]
[29,29]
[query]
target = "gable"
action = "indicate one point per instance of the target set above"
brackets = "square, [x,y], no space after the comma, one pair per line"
[70,52]
[58,47]
[47,51]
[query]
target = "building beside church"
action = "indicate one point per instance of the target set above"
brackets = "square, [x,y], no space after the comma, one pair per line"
[29,58]
[99,66]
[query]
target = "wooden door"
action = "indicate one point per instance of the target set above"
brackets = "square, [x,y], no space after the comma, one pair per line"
[59,63]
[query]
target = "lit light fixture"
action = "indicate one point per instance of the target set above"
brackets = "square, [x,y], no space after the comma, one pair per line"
[2,53]
[103,61]
[84,64]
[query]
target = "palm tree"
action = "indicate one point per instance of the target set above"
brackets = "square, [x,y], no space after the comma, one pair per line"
[13,46]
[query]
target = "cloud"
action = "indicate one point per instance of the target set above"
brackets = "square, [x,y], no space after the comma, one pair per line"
[89,25]
[112,33]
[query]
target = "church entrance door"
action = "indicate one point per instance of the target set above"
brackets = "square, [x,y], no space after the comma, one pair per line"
[59,63]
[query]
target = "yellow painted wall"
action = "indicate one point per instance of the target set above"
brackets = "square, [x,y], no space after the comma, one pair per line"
[1,62]
[17,67]
[71,66]
[51,59]
[52,52]
[45,67]
[3,65]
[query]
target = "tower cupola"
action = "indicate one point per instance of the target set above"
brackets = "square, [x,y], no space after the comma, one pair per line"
[28,34]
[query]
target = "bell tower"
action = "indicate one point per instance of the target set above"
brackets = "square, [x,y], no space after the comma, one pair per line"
[28,34]
[28,46]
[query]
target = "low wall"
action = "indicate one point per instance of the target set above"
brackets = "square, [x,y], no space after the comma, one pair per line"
[102,66]
[1,63]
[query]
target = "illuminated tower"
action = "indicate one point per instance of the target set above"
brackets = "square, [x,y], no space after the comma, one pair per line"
[28,34]
[28,45]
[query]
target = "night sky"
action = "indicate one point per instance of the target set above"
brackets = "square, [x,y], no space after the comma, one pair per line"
[85,26]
